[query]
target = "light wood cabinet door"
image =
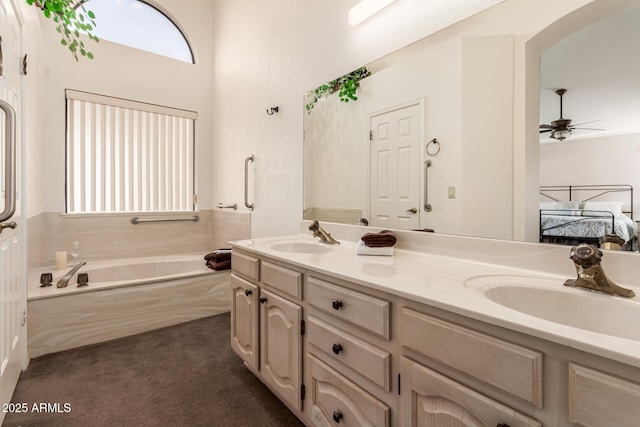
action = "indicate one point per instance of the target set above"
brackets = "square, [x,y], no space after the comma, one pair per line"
[429,399]
[244,320]
[337,401]
[281,346]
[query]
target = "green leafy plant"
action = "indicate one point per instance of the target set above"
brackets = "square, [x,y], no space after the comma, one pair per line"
[71,18]
[346,86]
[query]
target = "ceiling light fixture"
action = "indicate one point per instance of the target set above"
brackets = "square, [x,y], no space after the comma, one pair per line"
[366,8]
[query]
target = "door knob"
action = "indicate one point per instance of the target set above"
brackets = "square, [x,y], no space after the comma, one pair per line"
[4,225]
[413,210]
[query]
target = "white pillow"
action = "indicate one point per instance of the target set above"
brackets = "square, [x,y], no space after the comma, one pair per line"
[560,208]
[614,207]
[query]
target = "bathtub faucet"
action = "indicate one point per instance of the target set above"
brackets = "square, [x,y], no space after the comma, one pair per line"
[64,280]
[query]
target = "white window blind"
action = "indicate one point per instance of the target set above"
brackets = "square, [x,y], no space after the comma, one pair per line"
[127,156]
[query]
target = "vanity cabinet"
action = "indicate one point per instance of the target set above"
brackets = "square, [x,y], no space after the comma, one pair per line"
[267,324]
[337,352]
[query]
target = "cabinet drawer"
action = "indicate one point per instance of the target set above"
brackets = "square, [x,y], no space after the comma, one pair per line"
[598,399]
[364,358]
[363,310]
[283,279]
[245,266]
[335,399]
[509,367]
[431,399]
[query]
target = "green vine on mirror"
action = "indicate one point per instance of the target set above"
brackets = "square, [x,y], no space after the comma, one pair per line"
[346,86]
[71,18]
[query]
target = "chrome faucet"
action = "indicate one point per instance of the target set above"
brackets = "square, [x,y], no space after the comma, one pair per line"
[64,280]
[587,259]
[323,235]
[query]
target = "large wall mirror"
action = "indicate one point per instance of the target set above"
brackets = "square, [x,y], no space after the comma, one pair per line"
[399,158]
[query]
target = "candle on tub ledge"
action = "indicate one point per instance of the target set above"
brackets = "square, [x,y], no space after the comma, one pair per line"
[61,260]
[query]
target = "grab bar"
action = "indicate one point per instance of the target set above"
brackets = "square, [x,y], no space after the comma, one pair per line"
[246,182]
[138,220]
[427,205]
[223,206]
[9,165]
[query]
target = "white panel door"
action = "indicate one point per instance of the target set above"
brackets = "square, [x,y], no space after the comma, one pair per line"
[395,168]
[12,259]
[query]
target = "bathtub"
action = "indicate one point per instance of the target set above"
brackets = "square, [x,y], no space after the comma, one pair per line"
[124,297]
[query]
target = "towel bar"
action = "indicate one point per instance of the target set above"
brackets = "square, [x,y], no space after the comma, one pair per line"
[138,220]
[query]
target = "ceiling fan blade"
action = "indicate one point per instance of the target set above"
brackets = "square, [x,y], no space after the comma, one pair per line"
[544,126]
[586,123]
[546,130]
[586,128]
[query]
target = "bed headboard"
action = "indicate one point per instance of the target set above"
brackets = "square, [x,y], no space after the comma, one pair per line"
[590,193]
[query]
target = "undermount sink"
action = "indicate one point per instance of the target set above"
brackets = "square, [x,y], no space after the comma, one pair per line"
[301,247]
[578,308]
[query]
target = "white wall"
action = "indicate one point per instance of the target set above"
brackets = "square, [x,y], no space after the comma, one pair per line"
[611,160]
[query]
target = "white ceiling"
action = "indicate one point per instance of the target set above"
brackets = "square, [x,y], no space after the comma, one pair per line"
[600,68]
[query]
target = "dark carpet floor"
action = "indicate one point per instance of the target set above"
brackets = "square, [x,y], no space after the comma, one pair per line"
[184,375]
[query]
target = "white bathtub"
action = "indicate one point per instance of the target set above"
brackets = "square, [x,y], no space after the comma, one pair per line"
[124,297]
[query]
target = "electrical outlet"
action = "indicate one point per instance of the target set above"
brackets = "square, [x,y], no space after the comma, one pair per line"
[451,191]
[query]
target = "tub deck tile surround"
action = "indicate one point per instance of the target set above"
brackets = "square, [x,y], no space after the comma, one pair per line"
[113,236]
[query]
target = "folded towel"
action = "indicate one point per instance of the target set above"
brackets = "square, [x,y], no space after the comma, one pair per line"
[222,265]
[382,239]
[363,249]
[218,255]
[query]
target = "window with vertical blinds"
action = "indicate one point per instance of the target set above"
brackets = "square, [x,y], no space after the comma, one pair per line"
[127,156]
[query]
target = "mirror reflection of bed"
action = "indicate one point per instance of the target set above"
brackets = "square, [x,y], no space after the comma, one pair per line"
[601,215]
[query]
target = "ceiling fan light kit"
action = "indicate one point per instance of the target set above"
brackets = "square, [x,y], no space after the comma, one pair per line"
[561,128]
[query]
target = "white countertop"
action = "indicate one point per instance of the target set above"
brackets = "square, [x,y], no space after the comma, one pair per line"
[456,285]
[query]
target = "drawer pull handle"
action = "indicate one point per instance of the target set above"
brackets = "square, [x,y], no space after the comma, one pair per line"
[262,300]
[336,304]
[503,425]
[337,416]
[337,348]
[248,292]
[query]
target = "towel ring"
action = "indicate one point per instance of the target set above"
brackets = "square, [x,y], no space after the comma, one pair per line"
[434,152]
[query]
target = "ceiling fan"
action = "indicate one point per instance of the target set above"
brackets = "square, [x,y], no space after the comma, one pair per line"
[561,128]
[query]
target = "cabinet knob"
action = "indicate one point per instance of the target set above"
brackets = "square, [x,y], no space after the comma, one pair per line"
[337,348]
[337,416]
[336,304]
[248,292]
[262,300]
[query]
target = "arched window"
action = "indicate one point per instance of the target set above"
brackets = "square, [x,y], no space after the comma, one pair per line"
[140,25]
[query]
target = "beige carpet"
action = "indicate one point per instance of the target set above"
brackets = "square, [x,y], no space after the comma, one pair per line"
[184,375]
